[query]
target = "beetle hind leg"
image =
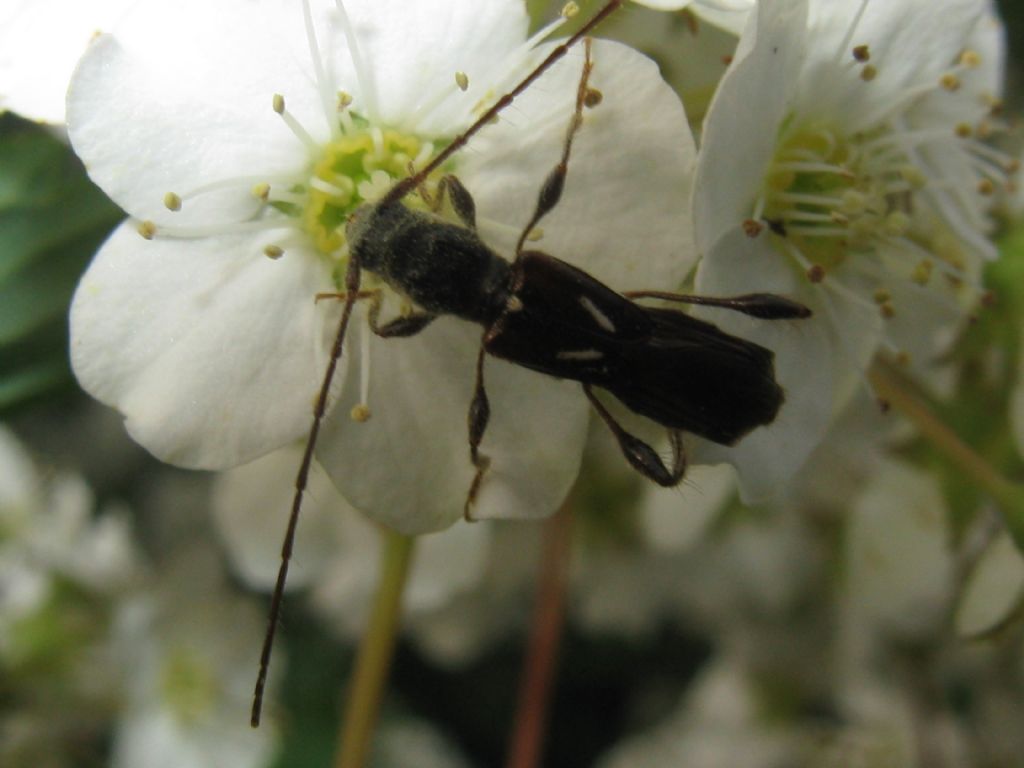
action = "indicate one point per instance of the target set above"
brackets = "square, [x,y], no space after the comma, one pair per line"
[479,415]
[641,456]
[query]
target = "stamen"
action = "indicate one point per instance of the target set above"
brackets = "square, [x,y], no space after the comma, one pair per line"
[364,74]
[462,81]
[950,82]
[212,230]
[300,133]
[255,185]
[844,46]
[147,229]
[810,167]
[172,201]
[364,373]
[273,252]
[817,231]
[323,84]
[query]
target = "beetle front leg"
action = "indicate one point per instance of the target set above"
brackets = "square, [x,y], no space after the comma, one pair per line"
[462,201]
[641,456]
[479,415]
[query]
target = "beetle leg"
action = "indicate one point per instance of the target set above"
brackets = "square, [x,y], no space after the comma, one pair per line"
[551,189]
[462,201]
[404,325]
[642,457]
[479,415]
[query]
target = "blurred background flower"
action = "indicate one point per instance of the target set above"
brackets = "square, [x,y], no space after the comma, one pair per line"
[869,614]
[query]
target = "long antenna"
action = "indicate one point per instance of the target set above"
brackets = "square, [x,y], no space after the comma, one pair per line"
[352,281]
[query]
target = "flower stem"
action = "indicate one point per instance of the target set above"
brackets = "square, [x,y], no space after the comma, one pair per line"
[375,652]
[1007,495]
[536,685]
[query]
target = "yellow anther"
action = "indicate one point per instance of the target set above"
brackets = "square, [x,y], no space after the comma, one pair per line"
[273,252]
[172,201]
[462,80]
[882,296]
[949,81]
[752,228]
[360,413]
[261,190]
[897,222]
[923,272]
[569,10]
[888,310]
[344,99]
[986,187]
[861,53]
[913,176]
[592,98]
[964,130]
[147,229]
[869,73]
[278,103]
[535,234]
[970,58]
[854,202]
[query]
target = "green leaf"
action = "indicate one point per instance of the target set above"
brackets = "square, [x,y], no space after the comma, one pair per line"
[52,220]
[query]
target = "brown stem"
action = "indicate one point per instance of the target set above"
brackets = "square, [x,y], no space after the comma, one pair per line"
[535,691]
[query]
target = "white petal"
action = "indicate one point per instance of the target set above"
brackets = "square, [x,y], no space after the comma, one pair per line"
[900,564]
[911,42]
[730,15]
[344,591]
[412,50]
[211,351]
[624,214]
[250,507]
[740,131]
[182,97]
[994,589]
[805,360]
[676,518]
[408,466]
[40,42]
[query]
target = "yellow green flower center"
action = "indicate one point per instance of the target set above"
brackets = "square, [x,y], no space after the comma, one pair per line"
[831,195]
[354,169]
[188,684]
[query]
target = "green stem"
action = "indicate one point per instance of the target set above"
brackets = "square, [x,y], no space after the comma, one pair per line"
[537,683]
[1007,495]
[375,652]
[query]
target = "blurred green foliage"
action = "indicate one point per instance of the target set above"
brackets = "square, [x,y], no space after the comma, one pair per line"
[52,220]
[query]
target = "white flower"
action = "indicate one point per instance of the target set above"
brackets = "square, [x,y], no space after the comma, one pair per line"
[214,352]
[720,722]
[900,566]
[49,538]
[842,165]
[40,43]
[186,651]
[337,550]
